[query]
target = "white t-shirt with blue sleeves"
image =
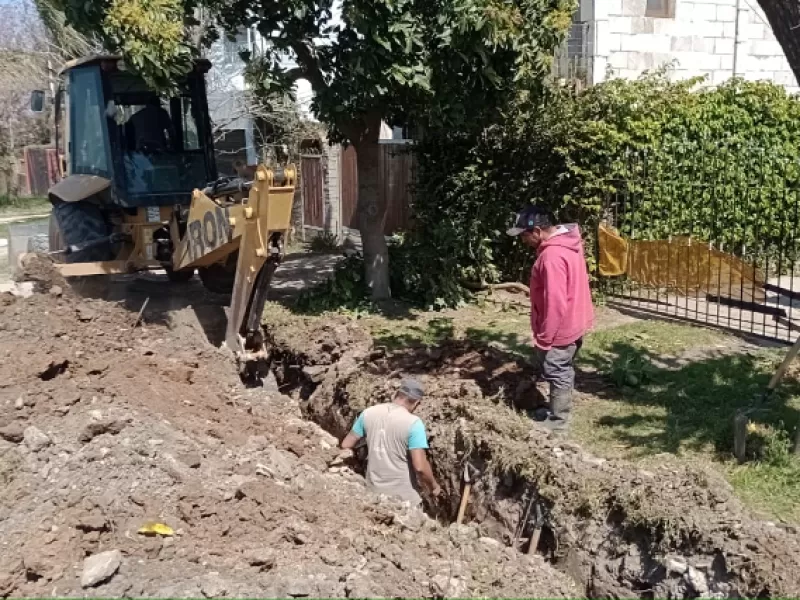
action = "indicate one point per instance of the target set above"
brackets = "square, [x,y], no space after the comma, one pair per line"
[417,436]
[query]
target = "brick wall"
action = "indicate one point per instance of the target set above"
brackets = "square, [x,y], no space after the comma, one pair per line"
[702,38]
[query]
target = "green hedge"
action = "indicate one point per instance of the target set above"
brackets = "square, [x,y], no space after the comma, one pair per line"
[719,163]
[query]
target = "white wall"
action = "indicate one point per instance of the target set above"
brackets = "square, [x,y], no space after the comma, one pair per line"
[702,37]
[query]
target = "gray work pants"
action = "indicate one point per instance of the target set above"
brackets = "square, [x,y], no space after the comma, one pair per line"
[557,367]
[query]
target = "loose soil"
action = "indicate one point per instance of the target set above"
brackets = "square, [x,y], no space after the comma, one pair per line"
[618,531]
[105,428]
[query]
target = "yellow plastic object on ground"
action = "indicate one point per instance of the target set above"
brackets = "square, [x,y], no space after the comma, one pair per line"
[682,265]
[156,529]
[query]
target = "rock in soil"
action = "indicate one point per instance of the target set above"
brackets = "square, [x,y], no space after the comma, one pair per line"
[99,568]
[35,439]
[13,433]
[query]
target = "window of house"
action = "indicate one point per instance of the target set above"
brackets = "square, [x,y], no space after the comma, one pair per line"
[664,9]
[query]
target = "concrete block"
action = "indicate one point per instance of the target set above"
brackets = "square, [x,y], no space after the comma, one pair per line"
[634,8]
[709,62]
[618,60]
[661,59]
[671,27]
[711,28]
[701,44]
[681,44]
[703,13]
[724,45]
[726,13]
[752,31]
[726,63]
[720,77]
[729,30]
[764,48]
[637,43]
[608,44]
[756,76]
[785,78]
[612,8]
[642,25]
[620,25]
[628,73]
[599,69]
[640,61]
[754,14]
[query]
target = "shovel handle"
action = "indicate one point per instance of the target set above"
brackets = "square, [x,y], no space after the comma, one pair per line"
[462,508]
[537,533]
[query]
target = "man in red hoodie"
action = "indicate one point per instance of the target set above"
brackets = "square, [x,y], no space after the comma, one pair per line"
[561,305]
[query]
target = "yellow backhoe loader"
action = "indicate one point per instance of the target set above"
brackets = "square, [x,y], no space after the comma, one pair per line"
[134,194]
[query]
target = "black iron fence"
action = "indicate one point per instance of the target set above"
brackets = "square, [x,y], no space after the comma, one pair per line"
[708,233]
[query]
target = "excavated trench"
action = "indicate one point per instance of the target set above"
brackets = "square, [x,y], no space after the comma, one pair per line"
[618,531]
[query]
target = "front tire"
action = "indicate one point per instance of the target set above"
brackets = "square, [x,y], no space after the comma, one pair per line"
[220,277]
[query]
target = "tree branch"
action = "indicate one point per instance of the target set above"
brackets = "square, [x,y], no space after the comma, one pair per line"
[308,65]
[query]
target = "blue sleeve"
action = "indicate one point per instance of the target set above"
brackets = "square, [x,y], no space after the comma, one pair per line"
[358,426]
[417,438]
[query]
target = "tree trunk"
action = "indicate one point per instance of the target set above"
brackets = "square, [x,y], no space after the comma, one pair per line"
[784,17]
[371,209]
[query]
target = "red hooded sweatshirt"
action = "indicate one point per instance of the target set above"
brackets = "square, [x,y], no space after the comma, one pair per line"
[561,302]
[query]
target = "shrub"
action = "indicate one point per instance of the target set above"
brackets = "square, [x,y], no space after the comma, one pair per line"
[719,164]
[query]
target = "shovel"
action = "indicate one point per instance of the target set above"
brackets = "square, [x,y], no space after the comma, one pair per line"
[470,475]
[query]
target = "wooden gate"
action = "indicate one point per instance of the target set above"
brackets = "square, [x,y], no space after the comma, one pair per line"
[41,168]
[395,178]
[311,182]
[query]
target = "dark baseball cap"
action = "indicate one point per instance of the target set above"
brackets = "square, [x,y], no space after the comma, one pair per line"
[411,388]
[530,217]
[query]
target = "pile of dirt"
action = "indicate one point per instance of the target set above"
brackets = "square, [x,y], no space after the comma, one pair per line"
[105,428]
[38,268]
[617,530]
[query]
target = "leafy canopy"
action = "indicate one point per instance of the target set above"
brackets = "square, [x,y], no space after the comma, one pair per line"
[449,62]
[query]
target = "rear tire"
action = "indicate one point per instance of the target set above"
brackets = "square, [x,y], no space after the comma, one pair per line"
[220,277]
[79,223]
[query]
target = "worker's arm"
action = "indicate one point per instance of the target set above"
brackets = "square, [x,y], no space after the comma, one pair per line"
[422,467]
[356,433]
[349,442]
[418,449]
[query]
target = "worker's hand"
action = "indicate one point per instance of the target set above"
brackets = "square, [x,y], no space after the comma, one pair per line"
[437,492]
[341,458]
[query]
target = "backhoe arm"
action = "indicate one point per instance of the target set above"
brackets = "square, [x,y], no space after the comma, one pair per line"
[255,223]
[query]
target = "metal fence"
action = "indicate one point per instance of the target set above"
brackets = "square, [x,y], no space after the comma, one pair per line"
[710,234]
[573,59]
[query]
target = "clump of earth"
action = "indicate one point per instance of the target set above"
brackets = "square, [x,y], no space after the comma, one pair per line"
[108,430]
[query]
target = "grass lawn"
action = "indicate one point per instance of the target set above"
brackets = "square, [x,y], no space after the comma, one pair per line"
[10,207]
[652,391]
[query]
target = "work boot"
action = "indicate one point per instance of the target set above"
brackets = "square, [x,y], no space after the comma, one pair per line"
[557,418]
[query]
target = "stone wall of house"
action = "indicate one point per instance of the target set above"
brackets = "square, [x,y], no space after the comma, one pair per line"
[702,38]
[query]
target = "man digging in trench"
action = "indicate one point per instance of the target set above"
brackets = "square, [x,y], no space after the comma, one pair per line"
[561,306]
[397,446]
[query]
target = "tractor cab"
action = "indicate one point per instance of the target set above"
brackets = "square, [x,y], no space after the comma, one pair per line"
[146,149]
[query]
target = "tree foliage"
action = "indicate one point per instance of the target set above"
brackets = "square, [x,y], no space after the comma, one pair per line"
[720,164]
[444,63]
